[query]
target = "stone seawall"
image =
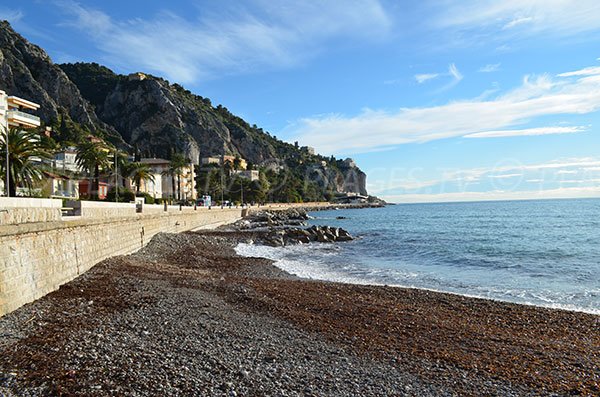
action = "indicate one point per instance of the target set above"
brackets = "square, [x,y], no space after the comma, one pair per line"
[36,258]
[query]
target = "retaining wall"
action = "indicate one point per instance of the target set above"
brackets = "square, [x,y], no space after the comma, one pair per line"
[36,258]
[14,210]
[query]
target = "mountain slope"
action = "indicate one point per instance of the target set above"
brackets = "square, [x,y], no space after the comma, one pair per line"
[155,118]
[27,71]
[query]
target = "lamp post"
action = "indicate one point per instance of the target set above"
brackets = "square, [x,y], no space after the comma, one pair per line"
[242,192]
[116,178]
[222,188]
[7,182]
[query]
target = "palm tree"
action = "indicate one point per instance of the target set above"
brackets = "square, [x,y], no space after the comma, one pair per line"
[93,156]
[26,151]
[176,165]
[140,172]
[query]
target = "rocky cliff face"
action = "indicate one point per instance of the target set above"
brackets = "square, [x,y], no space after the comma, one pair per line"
[27,71]
[154,117]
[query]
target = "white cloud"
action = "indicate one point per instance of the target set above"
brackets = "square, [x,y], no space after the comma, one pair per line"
[559,17]
[453,71]
[517,21]
[191,48]
[505,176]
[564,192]
[11,15]
[421,78]
[508,175]
[489,68]
[526,132]
[593,70]
[535,97]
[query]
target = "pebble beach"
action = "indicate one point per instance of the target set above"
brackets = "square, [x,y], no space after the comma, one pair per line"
[187,316]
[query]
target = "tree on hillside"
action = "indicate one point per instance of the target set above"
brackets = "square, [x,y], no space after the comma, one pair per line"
[93,157]
[27,149]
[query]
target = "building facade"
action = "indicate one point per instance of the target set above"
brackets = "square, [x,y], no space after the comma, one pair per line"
[166,186]
[12,115]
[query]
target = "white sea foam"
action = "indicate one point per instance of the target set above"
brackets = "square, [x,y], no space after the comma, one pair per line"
[314,262]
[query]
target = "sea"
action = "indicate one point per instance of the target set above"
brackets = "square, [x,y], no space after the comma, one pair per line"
[543,252]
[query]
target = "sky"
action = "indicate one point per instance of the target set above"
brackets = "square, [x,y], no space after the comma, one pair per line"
[435,100]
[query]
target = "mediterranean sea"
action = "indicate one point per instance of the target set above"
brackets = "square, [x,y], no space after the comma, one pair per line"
[544,252]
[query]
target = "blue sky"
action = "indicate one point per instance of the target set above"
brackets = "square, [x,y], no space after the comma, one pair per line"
[436,100]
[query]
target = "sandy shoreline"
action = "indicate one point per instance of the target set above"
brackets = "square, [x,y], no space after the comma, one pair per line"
[187,316]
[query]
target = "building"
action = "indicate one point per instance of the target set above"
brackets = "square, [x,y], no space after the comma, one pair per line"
[59,186]
[248,174]
[231,159]
[351,198]
[163,187]
[138,76]
[224,159]
[210,160]
[85,189]
[308,149]
[67,160]
[12,115]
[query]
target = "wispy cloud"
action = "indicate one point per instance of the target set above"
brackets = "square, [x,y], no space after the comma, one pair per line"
[591,71]
[505,176]
[507,179]
[263,35]
[532,16]
[535,97]
[558,193]
[421,78]
[452,72]
[526,132]
[489,68]
[11,15]
[517,21]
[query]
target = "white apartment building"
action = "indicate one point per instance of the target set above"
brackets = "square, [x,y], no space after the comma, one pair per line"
[67,160]
[162,186]
[11,115]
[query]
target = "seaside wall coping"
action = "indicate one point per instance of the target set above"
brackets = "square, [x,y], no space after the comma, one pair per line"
[27,202]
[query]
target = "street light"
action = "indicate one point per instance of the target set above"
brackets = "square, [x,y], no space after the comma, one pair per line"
[116,178]
[242,192]
[6,182]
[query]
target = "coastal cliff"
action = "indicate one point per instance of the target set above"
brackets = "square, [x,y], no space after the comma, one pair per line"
[27,71]
[154,118]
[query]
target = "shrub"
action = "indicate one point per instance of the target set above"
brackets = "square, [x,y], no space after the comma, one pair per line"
[125,195]
[148,198]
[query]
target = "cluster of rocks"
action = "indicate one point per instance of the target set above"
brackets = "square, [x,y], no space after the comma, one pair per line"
[279,228]
[321,234]
[271,219]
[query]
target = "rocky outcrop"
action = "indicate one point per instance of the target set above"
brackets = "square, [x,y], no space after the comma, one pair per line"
[280,228]
[27,71]
[321,234]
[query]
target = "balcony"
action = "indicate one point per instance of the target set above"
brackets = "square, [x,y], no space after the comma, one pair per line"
[24,103]
[22,119]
